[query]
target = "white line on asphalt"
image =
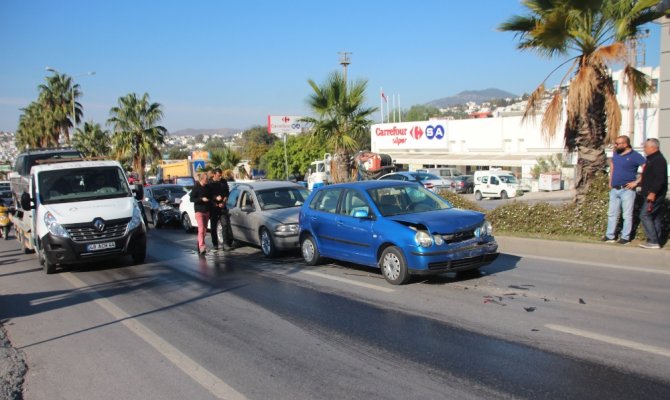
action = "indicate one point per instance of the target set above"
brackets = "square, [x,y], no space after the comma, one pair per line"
[593,264]
[191,368]
[349,281]
[611,340]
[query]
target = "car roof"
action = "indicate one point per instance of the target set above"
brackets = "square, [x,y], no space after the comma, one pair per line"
[365,185]
[267,185]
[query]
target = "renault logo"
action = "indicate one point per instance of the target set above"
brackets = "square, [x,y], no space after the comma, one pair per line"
[99,224]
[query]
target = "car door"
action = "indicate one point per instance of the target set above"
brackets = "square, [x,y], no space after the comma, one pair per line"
[240,216]
[354,235]
[323,221]
[494,186]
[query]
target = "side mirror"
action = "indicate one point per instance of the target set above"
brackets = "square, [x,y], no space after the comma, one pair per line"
[139,191]
[362,214]
[25,201]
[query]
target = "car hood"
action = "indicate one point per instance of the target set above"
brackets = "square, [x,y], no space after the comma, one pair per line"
[283,215]
[86,211]
[443,221]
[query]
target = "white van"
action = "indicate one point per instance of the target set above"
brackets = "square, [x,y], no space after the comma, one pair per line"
[497,183]
[81,211]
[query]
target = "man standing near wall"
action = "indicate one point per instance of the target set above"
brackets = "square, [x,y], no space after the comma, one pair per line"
[623,180]
[654,189]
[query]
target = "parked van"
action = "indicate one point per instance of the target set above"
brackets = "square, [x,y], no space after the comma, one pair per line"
[496,183]
[80,211]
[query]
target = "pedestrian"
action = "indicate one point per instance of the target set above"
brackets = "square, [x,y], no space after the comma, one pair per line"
[168,179]
[654,189]
[623,181]
[229,176]
[219,213]
[200,197]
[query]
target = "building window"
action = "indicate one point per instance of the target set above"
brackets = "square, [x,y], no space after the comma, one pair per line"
[654,85]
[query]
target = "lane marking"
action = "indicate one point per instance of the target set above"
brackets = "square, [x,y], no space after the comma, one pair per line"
[190,367]
[593,264]
[611,340]
[349,281]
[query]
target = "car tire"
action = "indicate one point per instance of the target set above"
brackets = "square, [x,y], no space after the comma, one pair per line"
[157,222]
[468,190]
[503,195]
[478,195]
[47,266]
[309,250]
[186,223]
[140,256]
[267,244]
[393,265]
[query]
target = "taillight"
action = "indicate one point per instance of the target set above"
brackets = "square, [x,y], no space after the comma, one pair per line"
[428,185]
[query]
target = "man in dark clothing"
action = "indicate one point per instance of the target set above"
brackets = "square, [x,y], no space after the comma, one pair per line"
[219,212]
[654,189]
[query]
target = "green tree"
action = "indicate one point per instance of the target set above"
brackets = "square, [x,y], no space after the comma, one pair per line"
[254,143]
[420,112]
[597,31]
[224,158]
[137,135]
[92,140]
[301,151]
[214,144]
[341,119]
[34,130]
[56,99]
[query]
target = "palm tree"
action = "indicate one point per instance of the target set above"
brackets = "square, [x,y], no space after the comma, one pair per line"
[596,32]
[91,140]
[224,159]
[56,99]
[341,119]
[34,130]
[136,134]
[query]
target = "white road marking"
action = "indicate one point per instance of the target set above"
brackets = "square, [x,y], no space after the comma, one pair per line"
[349,281]
[611,340]
[595,264]
[191,368]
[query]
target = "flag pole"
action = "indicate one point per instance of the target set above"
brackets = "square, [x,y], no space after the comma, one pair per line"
[381,102]
[399,113]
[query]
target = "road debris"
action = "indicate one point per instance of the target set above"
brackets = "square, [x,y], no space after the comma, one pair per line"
[529,309]
[581,301]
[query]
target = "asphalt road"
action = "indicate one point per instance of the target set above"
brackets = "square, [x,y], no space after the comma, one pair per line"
[546,320]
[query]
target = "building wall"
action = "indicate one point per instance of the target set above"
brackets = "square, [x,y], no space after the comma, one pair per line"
[664,101]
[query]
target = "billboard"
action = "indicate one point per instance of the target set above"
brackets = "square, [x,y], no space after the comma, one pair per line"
[409,135]
[280,124]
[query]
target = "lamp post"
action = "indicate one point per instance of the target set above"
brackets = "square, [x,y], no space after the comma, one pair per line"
[74,111]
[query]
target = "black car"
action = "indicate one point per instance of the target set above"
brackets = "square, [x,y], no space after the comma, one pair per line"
[463,184]
[161,204]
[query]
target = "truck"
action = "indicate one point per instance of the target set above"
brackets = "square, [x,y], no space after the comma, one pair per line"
[74,211]
[367,166]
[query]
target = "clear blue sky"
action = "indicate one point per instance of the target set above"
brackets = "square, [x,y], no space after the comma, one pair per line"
[228,64]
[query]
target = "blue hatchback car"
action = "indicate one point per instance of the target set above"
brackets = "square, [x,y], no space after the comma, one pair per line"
[400,227]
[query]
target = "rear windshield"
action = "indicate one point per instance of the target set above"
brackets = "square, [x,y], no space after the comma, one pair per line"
[82,184]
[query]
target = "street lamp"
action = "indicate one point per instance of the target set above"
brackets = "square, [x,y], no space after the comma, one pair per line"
[74,111]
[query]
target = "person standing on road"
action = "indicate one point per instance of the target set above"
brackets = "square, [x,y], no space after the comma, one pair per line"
[219,192]
[623,181]
[654,189]
[200,196]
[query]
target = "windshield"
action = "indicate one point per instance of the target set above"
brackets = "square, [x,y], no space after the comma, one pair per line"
[173,192]
[274,199]
[507,178]
[82,184]
[397,200]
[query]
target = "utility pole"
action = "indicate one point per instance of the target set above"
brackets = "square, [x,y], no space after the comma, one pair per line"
[344,61]
[632,53]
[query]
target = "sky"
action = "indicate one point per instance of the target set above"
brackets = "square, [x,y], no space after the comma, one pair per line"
[230,64]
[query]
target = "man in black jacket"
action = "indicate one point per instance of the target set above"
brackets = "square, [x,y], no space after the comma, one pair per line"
[219,212]
[654,189]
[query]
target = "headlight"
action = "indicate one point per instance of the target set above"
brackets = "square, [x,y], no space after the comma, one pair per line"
[485,229]
[438,240]
[287,229]
[423,239]
[136,220]
[54,227]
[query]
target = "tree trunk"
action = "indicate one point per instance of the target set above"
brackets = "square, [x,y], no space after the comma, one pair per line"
[340,168]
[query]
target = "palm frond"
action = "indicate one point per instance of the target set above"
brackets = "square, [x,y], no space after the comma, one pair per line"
[533,103]
[613,112]
[581,90]
[638,81]
[552,116]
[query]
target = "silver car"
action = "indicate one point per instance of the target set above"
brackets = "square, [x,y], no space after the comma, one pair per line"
[429,181]
[266,213]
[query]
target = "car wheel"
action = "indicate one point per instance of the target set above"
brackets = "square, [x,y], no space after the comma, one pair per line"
[468,190]
[140,256]
[478,195]
[393,266]
[503,195]
[310,253]
[47,266]
[186,223]
[267,244]
[158,222]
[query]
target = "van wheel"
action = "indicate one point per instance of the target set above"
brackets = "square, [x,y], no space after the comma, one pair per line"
[393,265]
[47,266]
[478,195]
[503,195]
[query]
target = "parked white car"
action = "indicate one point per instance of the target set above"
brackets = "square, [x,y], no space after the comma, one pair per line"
[188,221]
[496,184]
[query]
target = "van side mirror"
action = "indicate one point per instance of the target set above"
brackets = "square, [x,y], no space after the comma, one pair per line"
[139,191]
[25,201]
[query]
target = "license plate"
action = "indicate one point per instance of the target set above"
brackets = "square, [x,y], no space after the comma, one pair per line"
[100,246]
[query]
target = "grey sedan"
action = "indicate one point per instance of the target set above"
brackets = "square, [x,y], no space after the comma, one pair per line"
[265,214]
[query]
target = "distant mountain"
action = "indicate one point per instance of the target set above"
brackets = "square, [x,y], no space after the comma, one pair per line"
[478,96]
[195,132]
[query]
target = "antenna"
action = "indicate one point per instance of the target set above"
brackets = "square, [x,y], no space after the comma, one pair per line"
[344,61]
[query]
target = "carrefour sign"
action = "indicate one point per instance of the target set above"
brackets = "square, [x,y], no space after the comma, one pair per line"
[410,135]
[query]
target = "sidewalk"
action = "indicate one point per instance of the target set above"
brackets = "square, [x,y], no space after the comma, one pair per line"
[601,253]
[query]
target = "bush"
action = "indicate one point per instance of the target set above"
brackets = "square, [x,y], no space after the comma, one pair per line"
[459,201]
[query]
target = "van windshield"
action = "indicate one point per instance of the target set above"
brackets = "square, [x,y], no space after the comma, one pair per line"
[82,184]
